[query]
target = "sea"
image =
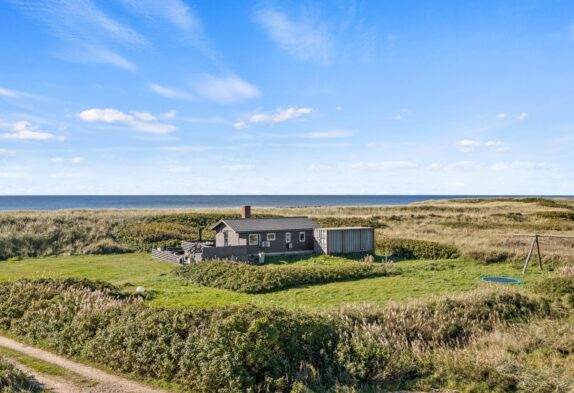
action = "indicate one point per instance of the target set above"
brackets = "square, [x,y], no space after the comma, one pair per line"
[57,202]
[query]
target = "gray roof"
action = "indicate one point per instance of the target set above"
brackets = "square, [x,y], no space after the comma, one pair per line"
[268,224]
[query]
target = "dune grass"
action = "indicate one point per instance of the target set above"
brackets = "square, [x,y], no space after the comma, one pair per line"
[417,279]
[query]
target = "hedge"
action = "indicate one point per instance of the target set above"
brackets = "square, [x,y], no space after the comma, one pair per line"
[416,249]
[241,277]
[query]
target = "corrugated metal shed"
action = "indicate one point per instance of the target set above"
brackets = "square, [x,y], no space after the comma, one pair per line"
[344,240]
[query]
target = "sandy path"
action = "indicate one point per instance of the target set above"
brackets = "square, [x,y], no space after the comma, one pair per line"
[104,382]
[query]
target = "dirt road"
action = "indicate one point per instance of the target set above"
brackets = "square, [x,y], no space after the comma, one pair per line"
[91,380]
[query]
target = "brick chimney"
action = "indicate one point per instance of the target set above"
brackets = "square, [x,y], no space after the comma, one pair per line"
[245,212]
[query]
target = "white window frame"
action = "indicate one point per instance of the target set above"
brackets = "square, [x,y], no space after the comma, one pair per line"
[256,242]
[287,237]
[270,237]
[301,238]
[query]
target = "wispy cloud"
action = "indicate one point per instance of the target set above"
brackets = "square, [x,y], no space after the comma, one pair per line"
[168,92]
[141,121]
[180,15]
[24,130]
[319,34]
[225,89]
[331,134]
[238,167]
[306,38]
[9,93]
[386,165]
[501,115]
[280,115]
[522,116]
[519,165]
[468,146]
[85,29]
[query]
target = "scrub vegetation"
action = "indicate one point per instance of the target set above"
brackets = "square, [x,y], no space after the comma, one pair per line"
[13,380]
[257,349]
[477,229]
[241,277]
[421,322]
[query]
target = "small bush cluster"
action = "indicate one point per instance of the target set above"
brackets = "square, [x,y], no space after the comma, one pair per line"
[13,380]
[250,349]
[416,249]
[487,257]
[241,277]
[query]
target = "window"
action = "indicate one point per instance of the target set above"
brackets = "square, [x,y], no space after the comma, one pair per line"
[301,237]
[270,237]
[226,239]
[253,239]
[287,237]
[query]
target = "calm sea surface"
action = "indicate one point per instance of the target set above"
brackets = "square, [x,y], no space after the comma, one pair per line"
[207,201]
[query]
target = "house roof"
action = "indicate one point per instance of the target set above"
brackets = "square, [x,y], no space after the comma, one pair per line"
[268,224]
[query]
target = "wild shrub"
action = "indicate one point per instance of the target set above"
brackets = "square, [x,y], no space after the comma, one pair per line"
[487,257]
[253,349]
[13,380]
[241,277]
[416,249]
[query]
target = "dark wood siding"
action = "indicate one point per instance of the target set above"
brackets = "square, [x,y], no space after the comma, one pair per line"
[279,245]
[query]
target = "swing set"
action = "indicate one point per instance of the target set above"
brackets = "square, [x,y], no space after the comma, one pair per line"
[535,242]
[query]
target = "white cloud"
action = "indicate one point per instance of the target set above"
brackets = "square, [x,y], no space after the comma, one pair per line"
[145,116]
[523,116]
[141,121]
[238,167]
[106,115]
[329,134]
[305,39]
[6,152]
[501,115]
[153,128]
[77,160]
[467,146]
[520,165]
[338,108]
[225,89]
[169,92]
[319,167]
[462,166]
[280,115]
[386,165]
[24,130]
[179,169]
[169,115]
[56,160]
[240,125]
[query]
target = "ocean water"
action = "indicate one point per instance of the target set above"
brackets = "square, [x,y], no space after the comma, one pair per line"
[40,202]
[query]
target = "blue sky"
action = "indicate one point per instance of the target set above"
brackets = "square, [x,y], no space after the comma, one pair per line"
[303,97]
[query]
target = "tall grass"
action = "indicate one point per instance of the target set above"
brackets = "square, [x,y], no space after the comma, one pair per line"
[13,380]
[252,349]
[479,229]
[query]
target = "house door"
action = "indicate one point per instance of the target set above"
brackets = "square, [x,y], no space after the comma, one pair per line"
[225,239]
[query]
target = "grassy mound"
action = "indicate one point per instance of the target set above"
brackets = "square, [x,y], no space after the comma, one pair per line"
[252,349]
[245,278]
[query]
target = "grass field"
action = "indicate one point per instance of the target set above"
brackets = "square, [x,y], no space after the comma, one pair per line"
[417,279]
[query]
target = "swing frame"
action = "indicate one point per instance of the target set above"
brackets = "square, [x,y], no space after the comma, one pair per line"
[535,241]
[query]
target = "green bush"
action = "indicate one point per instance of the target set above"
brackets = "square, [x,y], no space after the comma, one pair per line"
[13,380]
[416,249]
[241,277]
[251,349]
[487,257]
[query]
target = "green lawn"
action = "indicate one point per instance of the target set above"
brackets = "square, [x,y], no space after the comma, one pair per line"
[417,279]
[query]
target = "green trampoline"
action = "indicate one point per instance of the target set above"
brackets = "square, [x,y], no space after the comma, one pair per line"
[501,280]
